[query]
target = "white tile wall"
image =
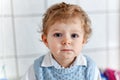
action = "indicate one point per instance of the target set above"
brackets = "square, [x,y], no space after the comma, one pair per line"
[28,7]
[1,37]
[24,64]
[113,29]
[51,2]
[98,37]
[100,57]
[10,68]
[2,68]
[5,7]
[95,6]
[28,37]
[113,5]
[7,36]
[114,59]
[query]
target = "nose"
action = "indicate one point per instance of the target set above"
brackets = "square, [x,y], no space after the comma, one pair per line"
[66,41]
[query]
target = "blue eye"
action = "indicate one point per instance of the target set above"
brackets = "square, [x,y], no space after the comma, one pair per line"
[74,35]
[57,35]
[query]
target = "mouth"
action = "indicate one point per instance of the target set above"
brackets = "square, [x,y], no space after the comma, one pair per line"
[66,50]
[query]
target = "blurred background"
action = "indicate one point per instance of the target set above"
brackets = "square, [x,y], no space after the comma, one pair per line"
[20,45]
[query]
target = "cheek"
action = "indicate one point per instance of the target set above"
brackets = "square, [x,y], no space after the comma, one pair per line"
[53,45]
[54,48]
[79,46]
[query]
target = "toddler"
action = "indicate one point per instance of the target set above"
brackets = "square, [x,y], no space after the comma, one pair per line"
[66,29]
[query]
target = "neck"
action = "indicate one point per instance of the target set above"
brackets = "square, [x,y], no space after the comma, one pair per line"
[66,63]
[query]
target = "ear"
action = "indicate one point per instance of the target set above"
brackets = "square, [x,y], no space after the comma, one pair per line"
[44,39]
[84,41]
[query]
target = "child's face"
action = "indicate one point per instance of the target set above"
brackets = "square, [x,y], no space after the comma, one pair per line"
[65,40]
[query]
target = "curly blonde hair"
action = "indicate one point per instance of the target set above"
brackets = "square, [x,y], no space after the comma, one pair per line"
[66,12]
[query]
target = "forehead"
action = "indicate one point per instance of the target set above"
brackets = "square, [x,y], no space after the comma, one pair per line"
[73,25]
[56,23]
[66,20]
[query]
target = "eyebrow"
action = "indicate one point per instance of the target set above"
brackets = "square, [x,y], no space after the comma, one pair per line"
[56,30]
[78,30]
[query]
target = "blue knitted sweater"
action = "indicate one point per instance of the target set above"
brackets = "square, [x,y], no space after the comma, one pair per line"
[72,73]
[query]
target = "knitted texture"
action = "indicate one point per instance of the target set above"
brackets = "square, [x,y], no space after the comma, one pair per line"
[72,73]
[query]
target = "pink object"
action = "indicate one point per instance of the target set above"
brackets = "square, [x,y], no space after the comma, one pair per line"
[110,73]
[117,75]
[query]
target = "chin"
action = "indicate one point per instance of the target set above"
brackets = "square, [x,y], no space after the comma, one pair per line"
[69,56]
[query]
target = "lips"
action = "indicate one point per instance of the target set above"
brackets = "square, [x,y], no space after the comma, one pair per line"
[66,50]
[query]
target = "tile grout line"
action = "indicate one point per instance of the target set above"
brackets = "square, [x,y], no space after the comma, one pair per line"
[119,33]
[14,39]
[40,14]
[107,32]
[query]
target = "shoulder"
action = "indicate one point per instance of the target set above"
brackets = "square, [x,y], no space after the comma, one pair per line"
[37,63]
[91,65]
[39,60]
[90,61]
[92,69]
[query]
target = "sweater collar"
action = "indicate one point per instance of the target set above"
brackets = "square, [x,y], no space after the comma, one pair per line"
[49,61]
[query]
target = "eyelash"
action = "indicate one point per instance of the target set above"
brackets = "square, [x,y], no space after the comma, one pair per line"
[74,35]
[57,35]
